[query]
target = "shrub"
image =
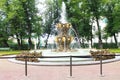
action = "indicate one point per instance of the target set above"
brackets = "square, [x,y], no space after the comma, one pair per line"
[28,54]
[105,55]
[105,45]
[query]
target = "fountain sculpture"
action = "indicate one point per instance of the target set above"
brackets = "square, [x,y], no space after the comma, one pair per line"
[63,39]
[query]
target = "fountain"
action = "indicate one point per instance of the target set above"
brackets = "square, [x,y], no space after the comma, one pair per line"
[63,41]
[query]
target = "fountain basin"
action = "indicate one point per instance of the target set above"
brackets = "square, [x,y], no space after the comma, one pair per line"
[64,63]
[63,55]
[65,60]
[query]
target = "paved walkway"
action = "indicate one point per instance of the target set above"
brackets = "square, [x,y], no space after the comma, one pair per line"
[13,71]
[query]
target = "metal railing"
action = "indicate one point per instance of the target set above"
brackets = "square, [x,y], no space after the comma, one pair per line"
[71,62]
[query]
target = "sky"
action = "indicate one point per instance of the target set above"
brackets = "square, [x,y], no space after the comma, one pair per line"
[41,6]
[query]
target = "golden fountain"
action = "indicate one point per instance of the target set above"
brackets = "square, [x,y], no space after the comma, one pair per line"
[63,39]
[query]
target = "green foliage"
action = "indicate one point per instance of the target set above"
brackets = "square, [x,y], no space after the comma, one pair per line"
[79,16]
[105,46]
[112,13]
[14,46]
[19,19]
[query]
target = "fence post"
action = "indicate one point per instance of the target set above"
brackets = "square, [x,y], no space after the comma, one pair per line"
[101,73]
[70,66]
[25,65]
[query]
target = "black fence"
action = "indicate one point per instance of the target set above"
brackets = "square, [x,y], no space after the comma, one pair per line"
[71,62]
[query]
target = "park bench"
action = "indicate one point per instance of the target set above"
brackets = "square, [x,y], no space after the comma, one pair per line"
[4,48]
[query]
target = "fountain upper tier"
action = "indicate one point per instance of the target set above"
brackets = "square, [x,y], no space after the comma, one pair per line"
[63,28]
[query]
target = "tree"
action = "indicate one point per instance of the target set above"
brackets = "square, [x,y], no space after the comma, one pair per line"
[21,19]
[16,22]
[51,17]
[79,15]
[111,12]
[4,23]
[29,12]
[96,8]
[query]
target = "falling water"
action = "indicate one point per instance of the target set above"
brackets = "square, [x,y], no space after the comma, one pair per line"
[75,33]
[63,13]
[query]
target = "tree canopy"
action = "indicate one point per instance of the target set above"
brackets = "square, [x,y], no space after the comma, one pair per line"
[21,20]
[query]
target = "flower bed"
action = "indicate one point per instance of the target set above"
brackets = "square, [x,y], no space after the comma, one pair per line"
[105,55]
[28,54]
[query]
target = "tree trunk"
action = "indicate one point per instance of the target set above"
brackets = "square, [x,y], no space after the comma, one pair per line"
[83,44]
[46,43]
[99,34]
[30,43]
[91,36]
[18,41]
[91,42]
[21,41]
[19,44]
[116,42]
[38,45]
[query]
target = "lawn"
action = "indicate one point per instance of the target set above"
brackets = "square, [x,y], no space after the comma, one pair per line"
[114,50]
[3,53]
[14,52]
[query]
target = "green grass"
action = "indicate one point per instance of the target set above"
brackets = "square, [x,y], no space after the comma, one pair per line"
[3,53]
[14,52]
[114,50]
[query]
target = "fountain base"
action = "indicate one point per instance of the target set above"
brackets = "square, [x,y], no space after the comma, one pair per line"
[65,60]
